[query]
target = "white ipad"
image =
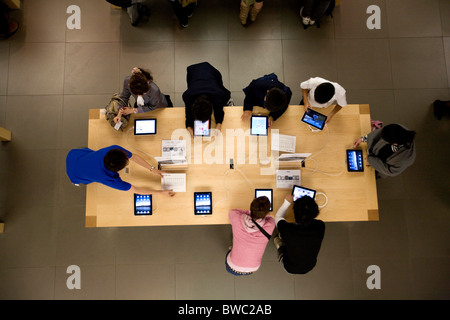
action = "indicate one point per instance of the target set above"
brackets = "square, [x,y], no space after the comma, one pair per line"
[202,128]
[259,125]
[299,192]
[144,126]
[266,193]
[202,203]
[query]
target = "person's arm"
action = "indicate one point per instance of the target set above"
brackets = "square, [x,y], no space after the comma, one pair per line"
[359,141]
[145,190]
[281,213]
[335,110]
[218,114]
[126,93]
[137,159]
[188,109]
[305,99]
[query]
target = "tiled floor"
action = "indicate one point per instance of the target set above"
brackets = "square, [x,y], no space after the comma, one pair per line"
[50,76]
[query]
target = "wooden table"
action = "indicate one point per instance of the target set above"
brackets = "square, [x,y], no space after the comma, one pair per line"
[351,196]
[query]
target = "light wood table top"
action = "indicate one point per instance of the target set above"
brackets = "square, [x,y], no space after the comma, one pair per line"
[351,196]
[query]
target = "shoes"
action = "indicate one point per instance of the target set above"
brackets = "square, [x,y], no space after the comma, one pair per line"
[438,109]
[278,242]
[306,20]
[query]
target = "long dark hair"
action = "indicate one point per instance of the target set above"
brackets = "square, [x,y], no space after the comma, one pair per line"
[305,210]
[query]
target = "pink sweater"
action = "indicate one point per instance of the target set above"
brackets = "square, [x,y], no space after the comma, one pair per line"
[249,242]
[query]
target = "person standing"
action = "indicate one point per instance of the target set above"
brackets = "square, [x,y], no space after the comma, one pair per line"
[102,166]
[320,93]
[249,8]
[183,9]
[205,95]
[269,93]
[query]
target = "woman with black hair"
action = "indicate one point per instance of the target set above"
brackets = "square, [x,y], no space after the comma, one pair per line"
[299,242]
[390,149]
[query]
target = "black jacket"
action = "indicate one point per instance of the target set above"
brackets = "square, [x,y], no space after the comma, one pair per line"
[203,79]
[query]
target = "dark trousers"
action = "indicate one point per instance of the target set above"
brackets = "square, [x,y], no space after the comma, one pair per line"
[182,13]
[315,9]
[4,23]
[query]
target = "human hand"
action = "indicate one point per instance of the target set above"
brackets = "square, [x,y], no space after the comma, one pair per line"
[159,172]
[270,122]
[216,132]
[357,143]
[289,197]
[307,105]
[127,110]
[168,193]
[118,117]
[136,70]
[191,131]
[246,115]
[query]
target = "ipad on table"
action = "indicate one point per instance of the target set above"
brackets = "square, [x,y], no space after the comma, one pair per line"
[314,118]
[267,193]
[298,192]
[355,160]
[142,204]
[202,203]
[259,125]
[202,128]
[144,126]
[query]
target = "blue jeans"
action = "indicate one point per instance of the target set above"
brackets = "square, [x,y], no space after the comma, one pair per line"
[234,272]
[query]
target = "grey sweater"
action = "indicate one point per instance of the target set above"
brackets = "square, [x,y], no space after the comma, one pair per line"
[153,99]
[396,163]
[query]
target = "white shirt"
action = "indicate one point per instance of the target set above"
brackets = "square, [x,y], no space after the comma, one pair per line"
[311,85]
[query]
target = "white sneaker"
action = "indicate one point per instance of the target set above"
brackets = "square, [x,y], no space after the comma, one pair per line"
[305,20]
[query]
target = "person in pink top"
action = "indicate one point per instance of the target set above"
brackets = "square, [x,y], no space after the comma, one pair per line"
[251,232]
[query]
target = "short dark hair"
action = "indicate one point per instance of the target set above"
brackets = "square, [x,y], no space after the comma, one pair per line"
[202,108]
[394,133]
[324,92]
[139,84]
[275,99]
[305,210]
[260,207]
[115,160]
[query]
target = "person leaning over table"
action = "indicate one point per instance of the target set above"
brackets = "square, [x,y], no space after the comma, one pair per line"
[205,94]
[102,166]
[249,242]
[390,149]
[299,243]
[268,93]
[320,93]
[148,97]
